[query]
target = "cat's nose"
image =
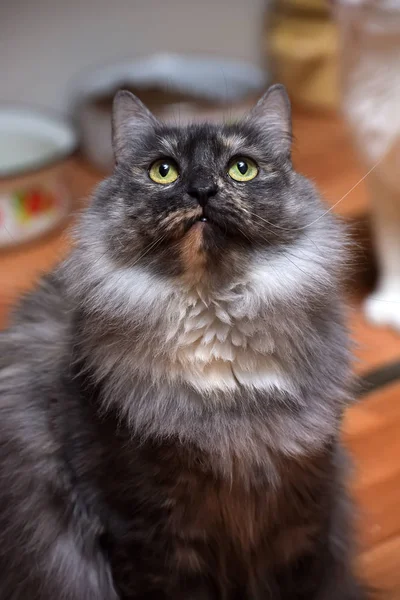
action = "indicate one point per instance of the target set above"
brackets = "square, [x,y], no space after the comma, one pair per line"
[202,192]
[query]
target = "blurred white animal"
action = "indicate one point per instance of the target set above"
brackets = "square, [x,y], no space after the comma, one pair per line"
[370,52]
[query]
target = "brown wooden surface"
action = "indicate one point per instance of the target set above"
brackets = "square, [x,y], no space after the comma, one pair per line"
[372,428]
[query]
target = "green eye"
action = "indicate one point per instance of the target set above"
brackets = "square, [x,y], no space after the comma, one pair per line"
[243,169]
[164,171]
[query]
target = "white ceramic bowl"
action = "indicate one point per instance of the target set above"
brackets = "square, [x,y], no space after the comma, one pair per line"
[34,196]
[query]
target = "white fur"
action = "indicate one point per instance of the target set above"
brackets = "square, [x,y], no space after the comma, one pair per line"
[370,32]
[211,341]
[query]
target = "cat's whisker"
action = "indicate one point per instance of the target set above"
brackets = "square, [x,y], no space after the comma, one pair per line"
[228,104]
[9,234]
[276,234]
[330,209]
[244,234]
[146,251]
[149,248]
[285,255]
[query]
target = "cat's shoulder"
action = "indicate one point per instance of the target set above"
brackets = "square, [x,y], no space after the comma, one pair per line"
[46,302]
[32,351]
[41,316]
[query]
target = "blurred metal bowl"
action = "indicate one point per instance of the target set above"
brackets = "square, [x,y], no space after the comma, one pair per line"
[176,88]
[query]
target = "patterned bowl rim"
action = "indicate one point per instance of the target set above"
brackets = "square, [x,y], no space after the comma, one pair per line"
[46,125]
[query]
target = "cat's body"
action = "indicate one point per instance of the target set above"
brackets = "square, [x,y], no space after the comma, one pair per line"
[370,65]
[171,397]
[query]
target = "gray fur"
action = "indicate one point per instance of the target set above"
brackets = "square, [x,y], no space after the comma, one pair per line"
[230,358]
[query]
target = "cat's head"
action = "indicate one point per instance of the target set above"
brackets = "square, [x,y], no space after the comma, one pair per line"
[200,201]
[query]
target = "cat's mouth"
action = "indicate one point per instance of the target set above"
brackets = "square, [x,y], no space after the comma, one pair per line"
[211,223]
[200,219]
[205,221]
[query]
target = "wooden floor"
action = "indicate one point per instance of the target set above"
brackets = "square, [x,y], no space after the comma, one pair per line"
[372,428]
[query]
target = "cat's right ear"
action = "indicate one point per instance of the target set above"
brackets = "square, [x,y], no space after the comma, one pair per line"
[273,116]
[130,119]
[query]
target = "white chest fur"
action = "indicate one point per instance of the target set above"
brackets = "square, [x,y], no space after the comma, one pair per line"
[213,349]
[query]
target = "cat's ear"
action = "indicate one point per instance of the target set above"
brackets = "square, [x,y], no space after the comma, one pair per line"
[273,113]
[130,119]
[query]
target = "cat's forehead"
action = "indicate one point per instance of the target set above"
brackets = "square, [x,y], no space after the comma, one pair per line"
[202,140]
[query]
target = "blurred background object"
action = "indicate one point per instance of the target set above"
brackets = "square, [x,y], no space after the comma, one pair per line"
[64,57]
[370,73]
[175,87]
[302,42]
[45,44]
[34,195]
[183,58]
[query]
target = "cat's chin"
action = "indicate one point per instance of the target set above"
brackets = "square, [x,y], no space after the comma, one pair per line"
[203,229]
[200,218]
[199,224]
[208,225]
[210,236]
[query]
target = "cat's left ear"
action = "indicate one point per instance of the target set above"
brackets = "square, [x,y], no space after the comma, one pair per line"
[130,120]
[273,113]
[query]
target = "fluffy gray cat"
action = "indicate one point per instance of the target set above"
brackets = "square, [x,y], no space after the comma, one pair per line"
[171,396]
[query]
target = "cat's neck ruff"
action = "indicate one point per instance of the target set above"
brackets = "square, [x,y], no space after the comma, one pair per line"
[211,341]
